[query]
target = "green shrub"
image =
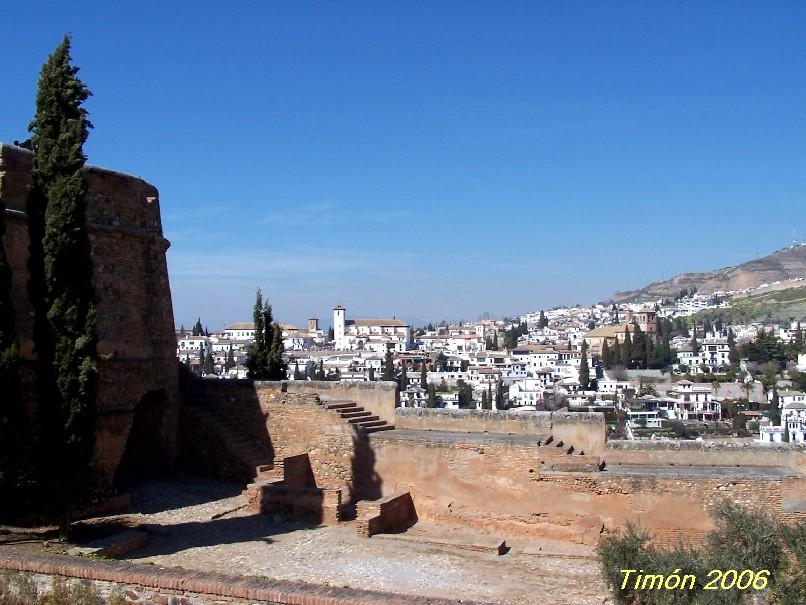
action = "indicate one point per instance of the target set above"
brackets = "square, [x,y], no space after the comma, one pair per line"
[742,540]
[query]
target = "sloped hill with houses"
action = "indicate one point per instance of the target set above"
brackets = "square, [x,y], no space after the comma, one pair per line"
[788,263]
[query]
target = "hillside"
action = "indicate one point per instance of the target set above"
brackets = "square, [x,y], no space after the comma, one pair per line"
[781,265]
[777,305]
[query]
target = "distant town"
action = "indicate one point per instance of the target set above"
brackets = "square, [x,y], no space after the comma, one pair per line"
[670,368]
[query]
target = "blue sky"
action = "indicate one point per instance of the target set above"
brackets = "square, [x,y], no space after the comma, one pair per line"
[436,159]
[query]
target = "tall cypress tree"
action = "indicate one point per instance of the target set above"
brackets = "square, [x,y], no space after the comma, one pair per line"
[258,355]
[388,367]
[638,346]
[403,379]
[607,357]
[626,347]
[276,367]
[584,370]
[12,416]
[60,284]
[423,376]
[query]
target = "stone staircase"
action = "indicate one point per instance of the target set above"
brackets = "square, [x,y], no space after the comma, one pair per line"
[363,421]
[557,456]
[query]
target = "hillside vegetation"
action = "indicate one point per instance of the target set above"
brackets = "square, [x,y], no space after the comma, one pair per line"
[781,305]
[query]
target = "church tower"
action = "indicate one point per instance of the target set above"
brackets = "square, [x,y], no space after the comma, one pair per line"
[338,326]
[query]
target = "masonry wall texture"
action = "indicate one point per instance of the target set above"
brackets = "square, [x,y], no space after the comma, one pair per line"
[500,471]
[586,431]
[293,422]
[502,487]
[705,453]
[136,343]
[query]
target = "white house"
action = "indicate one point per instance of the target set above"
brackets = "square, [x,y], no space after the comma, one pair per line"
[694,401]
[713,353]
[793,421]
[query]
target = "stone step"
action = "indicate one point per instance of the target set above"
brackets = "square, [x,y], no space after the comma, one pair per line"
[363,420]
[340,406]
[375,429]
[366,423]
[354,413]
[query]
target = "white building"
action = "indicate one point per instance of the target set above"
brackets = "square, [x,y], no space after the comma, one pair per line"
[240,331]
[377,335]
[713,353]
[793,420]
[694,401]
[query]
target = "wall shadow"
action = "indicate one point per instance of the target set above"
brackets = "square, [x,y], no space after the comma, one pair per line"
[160,495]
[145,455]
[367,483]
[168,539]
[222,429]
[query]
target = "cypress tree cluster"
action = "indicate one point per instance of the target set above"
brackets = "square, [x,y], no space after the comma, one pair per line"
[60,286]
[265,360]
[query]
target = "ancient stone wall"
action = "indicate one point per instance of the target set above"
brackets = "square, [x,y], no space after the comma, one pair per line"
[706,453]
[380,398]
[585,431]
[498,471]
[294,422]
[136,342]
[500,486]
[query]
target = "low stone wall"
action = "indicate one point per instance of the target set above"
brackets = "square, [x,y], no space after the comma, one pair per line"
[151,585]
[501,485]
[291,422]
[380,398]
[676,452]
[387,514]
[310,504]
[584,430]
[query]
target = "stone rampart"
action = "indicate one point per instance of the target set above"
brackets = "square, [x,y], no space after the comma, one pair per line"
[138,400]
[500,485]
[585,431]
[706,453]
[380,398]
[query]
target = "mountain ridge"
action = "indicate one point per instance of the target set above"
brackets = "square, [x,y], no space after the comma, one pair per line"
[781,265]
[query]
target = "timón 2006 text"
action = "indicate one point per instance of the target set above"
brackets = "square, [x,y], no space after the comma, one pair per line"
[718,580]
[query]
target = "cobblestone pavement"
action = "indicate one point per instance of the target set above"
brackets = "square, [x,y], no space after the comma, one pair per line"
[197,524]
